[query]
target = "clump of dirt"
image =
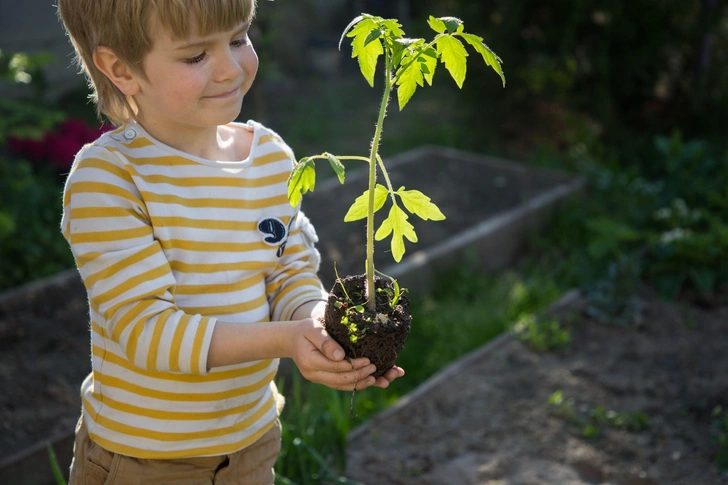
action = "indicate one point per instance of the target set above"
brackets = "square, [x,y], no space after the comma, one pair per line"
[487,419]
[378,335]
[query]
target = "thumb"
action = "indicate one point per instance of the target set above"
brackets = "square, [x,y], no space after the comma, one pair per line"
[329,347]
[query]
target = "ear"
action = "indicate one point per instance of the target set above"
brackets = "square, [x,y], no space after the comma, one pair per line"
[117,71]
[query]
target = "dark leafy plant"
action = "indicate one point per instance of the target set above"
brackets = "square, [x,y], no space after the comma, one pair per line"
[613,300]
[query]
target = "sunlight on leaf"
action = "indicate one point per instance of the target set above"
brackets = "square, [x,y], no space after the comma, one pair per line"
[437,25]
[453,24]
[453,55]
[418,203]
[409,79]
[301,180]
[337,166]
[366,49]
[359,209]
[348,27]
[397,225]
[488,55]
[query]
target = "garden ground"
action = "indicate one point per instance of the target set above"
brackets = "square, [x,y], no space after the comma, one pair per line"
[485,419]
[493,417]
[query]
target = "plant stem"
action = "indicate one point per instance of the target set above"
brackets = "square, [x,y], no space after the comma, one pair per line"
[371,293]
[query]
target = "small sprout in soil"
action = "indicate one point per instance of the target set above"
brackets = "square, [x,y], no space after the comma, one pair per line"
[592,421]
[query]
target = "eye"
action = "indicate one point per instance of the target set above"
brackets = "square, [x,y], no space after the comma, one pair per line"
[196,59]
[240,42]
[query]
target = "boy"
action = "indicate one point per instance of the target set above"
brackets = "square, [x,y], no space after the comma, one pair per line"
[199,273]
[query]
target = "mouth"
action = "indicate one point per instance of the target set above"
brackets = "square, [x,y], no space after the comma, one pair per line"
[228,94]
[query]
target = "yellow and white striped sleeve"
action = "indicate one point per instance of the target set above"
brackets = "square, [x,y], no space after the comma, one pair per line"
[128,278]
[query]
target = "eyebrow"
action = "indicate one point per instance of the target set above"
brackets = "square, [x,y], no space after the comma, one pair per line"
[206,42]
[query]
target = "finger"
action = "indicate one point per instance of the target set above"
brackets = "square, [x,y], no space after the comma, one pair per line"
[389,376]
[354,379]
[318,363]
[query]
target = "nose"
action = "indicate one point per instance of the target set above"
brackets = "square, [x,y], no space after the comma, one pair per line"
[228,67]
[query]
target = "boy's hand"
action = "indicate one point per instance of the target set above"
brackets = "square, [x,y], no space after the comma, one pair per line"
[321,360]
[388,377]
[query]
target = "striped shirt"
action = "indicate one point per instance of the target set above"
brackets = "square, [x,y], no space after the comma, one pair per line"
[167,243]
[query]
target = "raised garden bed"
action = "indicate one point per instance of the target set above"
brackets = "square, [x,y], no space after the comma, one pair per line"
[491,206]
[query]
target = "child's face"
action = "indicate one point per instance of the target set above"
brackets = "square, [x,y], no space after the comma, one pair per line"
[197,82]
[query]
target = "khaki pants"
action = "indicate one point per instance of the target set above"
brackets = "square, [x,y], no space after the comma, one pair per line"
[93,465]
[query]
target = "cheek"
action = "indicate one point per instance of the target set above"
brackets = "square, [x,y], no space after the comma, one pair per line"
[185,87]
[250,62]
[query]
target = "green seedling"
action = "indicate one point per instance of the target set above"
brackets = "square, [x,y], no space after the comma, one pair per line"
[393,295]
[408,65]
[592,422]
[542,333]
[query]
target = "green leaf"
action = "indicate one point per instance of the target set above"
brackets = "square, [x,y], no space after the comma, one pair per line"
[410,77]
[301,180]
[453,55]
[437,25]
[55,466]
[348,27]
[360,208]
[430,64]
[337,166]
[418,203]
[393,27]
[453,24]
[397,225]
[365,48]
[373,35]
[360,33]
[489,56]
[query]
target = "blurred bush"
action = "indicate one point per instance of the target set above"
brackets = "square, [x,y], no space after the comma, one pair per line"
[37,148]
[644,64]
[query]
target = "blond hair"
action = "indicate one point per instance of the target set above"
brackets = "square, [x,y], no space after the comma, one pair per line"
[125,28]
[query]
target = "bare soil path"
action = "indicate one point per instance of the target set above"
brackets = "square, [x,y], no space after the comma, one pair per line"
[486,418]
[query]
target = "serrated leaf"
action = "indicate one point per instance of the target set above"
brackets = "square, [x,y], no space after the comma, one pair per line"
[393,26]
[437,25]
[409,79]
[397,225]
[301,180]
[430,64]
[360,33]
[404,48]
[360,208]
[366,53]
[348,27]
[418,203]
[453,55]
[453,24]
[398,52]
[489,56]
[337,166]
